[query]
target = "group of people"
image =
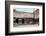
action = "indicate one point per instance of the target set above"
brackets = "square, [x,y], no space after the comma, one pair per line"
[23,20]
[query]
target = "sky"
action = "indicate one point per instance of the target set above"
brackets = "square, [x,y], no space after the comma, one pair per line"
[29,10]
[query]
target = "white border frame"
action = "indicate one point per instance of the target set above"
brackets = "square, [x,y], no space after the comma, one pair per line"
[35,28]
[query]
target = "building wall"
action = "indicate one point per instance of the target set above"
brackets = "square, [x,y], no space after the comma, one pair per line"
[24,15]
[35,14]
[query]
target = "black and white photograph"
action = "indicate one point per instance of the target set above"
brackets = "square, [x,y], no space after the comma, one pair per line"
[24,17]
